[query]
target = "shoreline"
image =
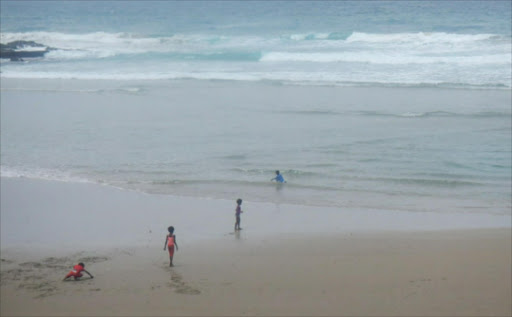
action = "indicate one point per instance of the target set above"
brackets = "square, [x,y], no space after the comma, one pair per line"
[16,82]
[287,260]
[345,169]
[136,86]
[63,214]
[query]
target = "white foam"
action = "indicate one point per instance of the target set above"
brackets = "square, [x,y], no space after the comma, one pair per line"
[32,49]
[103,44]
[383,58]
[309,36]
[401,58]
[462,79]
[40,173]
[421,37]
[98,44]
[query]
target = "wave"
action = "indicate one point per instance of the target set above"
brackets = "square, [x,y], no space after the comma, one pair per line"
[427,182]
[234,157]
[380,58]
[333,36]
[41,173]
[310,46]
[403,58]
[436,60]
[421,37]
[316,188]
[133,39]
[232,56]
[274,78]
[437,114]
[161,186]
[120,90]
[311,112]
[218,187]
[271,172]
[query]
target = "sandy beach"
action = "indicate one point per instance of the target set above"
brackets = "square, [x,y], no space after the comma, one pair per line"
[448,273]
[389,121]
[356,268]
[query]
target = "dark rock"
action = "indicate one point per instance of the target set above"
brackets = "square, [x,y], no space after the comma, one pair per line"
[17,50]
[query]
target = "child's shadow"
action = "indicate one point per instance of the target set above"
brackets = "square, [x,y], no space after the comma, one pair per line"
[79,280]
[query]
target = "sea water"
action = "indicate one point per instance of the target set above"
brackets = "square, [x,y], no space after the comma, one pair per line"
[396,43]
[385,105]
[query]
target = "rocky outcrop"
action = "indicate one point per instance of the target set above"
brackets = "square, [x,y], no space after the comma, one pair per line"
[17,50]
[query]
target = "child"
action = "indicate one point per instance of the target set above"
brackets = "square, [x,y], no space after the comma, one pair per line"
[76,272]
[170,242]
[237,214]
[279,178]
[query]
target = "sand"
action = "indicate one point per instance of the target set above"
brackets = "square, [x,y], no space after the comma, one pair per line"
[436,273]
[287,261]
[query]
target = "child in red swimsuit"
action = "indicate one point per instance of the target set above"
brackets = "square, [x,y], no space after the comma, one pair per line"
[76,272]
[170,242]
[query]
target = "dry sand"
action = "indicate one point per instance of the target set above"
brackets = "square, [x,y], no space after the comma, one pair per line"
[443,273]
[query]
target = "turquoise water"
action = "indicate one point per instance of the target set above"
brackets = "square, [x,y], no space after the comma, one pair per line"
[397,43]
[385,105]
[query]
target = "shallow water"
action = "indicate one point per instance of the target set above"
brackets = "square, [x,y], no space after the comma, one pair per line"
[394,149]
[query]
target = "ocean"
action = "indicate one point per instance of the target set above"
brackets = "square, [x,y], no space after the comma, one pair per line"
[384,105]
[396,43]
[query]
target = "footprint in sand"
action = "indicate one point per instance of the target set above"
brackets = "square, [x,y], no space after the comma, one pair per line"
[35,265]
[180,286]
[43,288]
[93,259]
[418,285]
[5,261]
[34,276]
[12,275]
[57,263]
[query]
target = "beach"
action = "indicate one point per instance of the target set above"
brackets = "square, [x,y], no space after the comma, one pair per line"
[389,121]
[400,212]
[346,270]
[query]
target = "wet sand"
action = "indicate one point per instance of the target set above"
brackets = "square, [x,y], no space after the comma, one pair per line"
[288,260]
[437,273]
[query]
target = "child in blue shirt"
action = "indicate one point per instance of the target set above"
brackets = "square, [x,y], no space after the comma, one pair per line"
[279,178]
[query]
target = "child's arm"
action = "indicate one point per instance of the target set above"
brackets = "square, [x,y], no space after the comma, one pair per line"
[165,243]
[89,274]
[175,243]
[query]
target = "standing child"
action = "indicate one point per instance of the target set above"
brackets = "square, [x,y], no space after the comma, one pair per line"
[76,272]
[170,242]
[237,214]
